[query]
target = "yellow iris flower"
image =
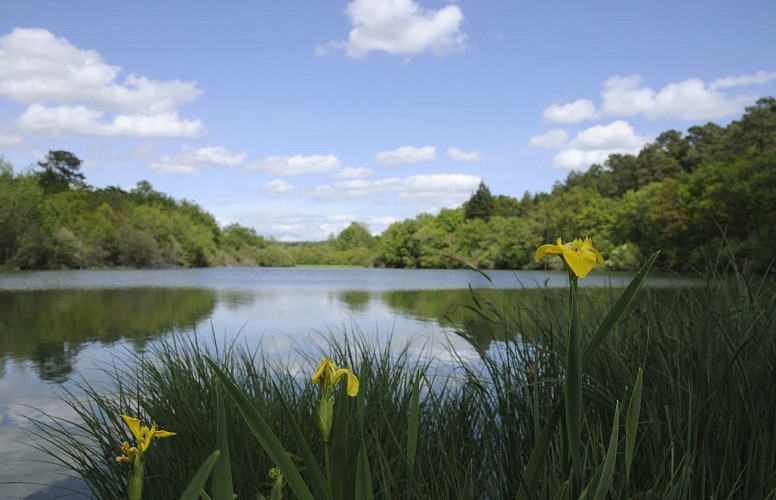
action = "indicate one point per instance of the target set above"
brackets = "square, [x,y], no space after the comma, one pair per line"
[329,374]
[579,256]
[143,434]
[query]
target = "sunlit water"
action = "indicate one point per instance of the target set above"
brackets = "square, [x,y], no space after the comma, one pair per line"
[59,327]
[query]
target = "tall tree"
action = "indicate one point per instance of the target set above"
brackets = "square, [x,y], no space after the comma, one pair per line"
[60,172]
[481,205]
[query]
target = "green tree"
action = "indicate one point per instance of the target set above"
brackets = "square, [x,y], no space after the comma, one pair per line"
[354,236]
[60,172]
[481,204]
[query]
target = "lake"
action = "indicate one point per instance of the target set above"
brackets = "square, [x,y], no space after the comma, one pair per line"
[57,327]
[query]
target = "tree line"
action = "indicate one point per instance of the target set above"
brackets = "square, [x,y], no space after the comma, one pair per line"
[694,196]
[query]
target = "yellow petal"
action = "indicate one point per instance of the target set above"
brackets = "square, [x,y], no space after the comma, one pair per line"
[352,384]
[164,434]
[547,249]
[324,373]
[133,424]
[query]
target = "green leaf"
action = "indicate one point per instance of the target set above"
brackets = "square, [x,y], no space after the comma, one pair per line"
[363,472]
[414,424]
[532,472]
[631,423]
[222,473]
[339,441]
[264,434]
[616,311]
[605,482]
[317,478]
[200,478]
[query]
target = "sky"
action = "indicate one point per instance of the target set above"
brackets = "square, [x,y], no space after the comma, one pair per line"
[297,118]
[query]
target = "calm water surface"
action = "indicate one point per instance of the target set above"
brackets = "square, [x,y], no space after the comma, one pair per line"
[57,327]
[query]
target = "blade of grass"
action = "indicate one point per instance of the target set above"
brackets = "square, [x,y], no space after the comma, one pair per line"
[222,473]
[616,311]
[196,484]
[264,434]
[631,424]
[414,424]
[339,444]
[605,482]
[317,478]
[363,473]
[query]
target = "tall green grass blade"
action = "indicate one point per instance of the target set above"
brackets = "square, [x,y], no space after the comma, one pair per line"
[414,424]
[197,482]
[573,387]
[364,489]
[339,444]
[317,478]
[607,472]
[264,434]
[631,424]
[468,483]
[222,473]
[532,473]
[616,311]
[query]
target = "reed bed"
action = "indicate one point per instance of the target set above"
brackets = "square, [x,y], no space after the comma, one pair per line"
[707,425]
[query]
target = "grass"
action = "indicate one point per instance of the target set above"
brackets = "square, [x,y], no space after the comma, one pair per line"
[707,425]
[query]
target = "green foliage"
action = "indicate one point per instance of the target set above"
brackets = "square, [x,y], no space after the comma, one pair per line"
[481,205]
[683,194]
[60,172]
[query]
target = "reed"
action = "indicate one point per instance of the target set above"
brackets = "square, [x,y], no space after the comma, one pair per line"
[706,425]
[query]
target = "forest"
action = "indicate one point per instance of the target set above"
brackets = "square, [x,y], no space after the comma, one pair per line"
[696,196]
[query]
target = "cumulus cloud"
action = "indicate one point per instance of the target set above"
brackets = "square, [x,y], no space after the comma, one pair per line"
[616,135]
[400,27]
[577,111]
[65,121]
[577,159]
[758,78]
[595,144]
[554,139]
[73,92]
[406,155]
[190,161]
[458,155]
[691,99]
[437,189]
[278,187]
[295,165]
[354,173]
[39,67]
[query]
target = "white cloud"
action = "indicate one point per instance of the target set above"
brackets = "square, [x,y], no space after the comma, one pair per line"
[295,165]
[438,189]
[400,27]
[758,78]
[190,161]
[278,187]
[595,144]
[616,135]
[354,173]
[690,99]
[69,121]
[577,159]
[553,139]
[406,155]
[38,67]
[577,111]
[458,155]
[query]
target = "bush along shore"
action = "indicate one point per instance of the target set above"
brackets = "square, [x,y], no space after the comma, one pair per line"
[652,395]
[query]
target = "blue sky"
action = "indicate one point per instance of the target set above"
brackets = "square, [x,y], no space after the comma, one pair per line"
[300,117]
